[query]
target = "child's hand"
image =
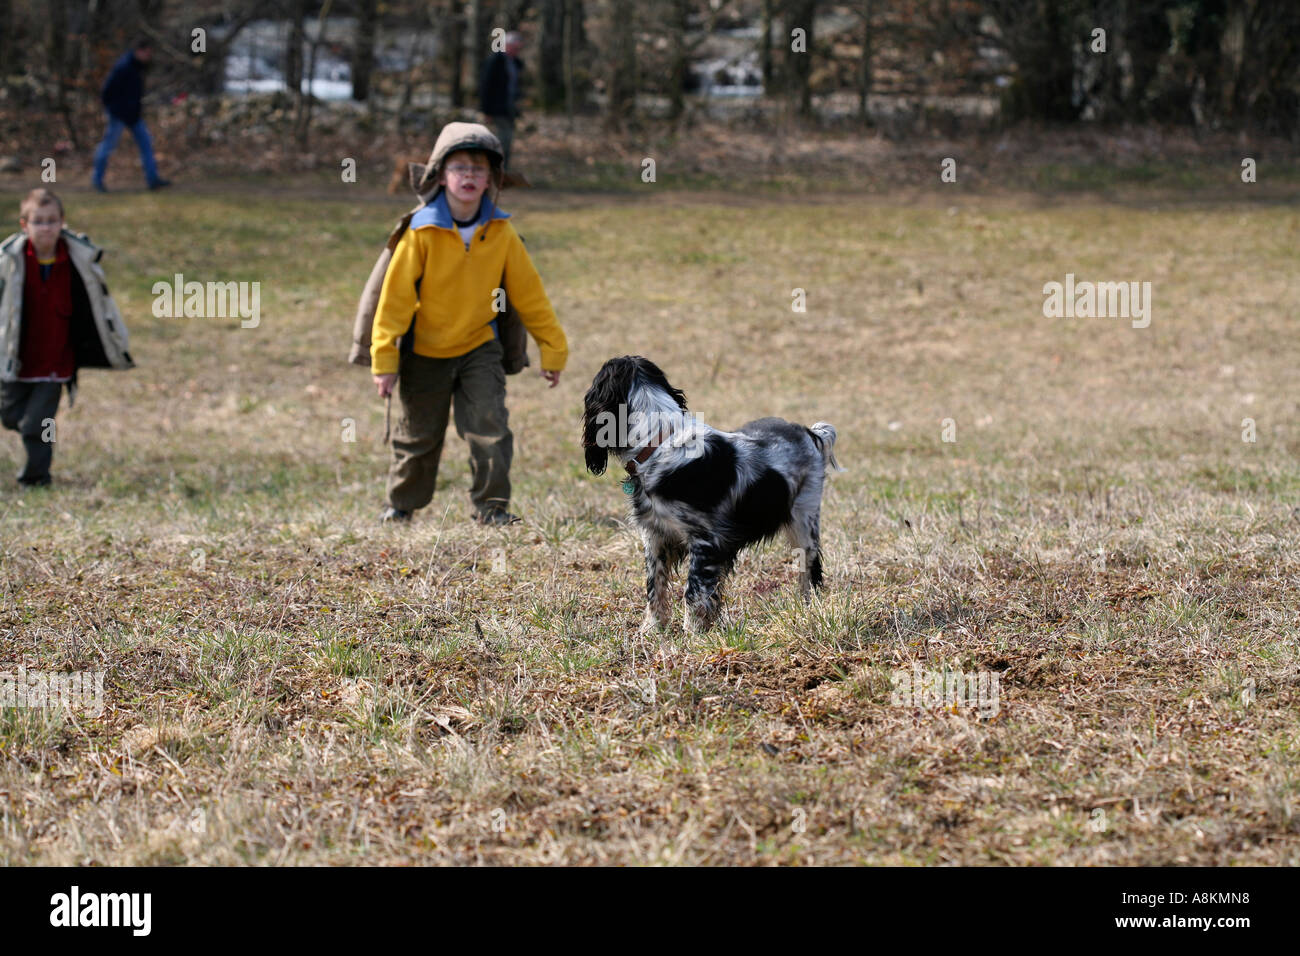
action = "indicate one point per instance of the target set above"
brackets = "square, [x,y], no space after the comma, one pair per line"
[384,383]
[552,377]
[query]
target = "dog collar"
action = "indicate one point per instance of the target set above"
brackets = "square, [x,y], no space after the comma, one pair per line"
[640,457]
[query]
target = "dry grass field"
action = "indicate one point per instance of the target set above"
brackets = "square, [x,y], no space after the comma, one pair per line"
[288,682]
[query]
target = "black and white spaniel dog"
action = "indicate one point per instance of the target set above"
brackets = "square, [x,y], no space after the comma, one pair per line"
[701,493]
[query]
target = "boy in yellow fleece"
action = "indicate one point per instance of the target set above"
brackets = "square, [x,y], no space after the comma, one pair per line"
[441,297]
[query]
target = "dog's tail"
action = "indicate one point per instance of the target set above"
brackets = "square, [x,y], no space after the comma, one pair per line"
[823,434]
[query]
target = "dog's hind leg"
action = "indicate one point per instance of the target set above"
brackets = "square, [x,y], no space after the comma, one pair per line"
[662,555]
[804,534]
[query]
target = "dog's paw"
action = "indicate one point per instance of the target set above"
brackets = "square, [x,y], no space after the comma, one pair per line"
[652,623]
[698,621]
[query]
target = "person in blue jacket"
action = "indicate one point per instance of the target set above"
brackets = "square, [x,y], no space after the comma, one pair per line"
[121,96]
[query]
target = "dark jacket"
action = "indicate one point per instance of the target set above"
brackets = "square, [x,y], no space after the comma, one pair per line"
[123,89]
[494,86]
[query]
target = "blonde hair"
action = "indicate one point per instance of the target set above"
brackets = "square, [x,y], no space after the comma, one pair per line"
[36,199]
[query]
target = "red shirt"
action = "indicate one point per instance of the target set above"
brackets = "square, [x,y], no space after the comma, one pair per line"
[45,352]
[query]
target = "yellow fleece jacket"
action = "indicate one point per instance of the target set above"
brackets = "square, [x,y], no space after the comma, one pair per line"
[451,290]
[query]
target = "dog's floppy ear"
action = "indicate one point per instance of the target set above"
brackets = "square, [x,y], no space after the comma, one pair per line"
[597,459]
[608,389]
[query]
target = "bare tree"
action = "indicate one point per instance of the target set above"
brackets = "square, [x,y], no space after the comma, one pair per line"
[480,29]
[765,42]
[1265,72]
[57,14]
[306,99]
[293,65]
[8,60]
[453,41]
[621,78]
[679,16]
[684,48]
[209,68]
[363,48]
[550,53]
[798,78]
[572,25]
[864,64]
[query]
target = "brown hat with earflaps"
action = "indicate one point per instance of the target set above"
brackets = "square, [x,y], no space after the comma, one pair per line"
[457,136]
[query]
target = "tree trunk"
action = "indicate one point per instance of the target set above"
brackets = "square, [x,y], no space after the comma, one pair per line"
[363,48]
[765,45]
[1204,45]
[864,68]
[679,66]
[8,62]
[550,55]
[293,47]
[570,15]
[411,77]
[307,100]
[620,83]
[211,66]
[576,85]
[1054,68]
[1041,41]
[57,15]
[480,37]
[454,43]
[799,65]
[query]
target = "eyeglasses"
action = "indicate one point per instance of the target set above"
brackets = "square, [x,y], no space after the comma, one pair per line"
[467,172]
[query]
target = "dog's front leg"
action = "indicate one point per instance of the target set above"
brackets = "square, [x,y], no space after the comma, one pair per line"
[704,586]
[661,555]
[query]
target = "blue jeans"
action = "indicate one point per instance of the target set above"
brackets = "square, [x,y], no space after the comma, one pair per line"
[109,143]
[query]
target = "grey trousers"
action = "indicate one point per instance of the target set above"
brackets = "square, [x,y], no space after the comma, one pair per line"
[26,407]
[474,385]
[504,127]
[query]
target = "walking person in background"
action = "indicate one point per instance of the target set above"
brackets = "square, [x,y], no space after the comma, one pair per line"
[121,96]
[498,91]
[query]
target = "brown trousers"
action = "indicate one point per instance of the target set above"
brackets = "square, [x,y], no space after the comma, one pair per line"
[474,384]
